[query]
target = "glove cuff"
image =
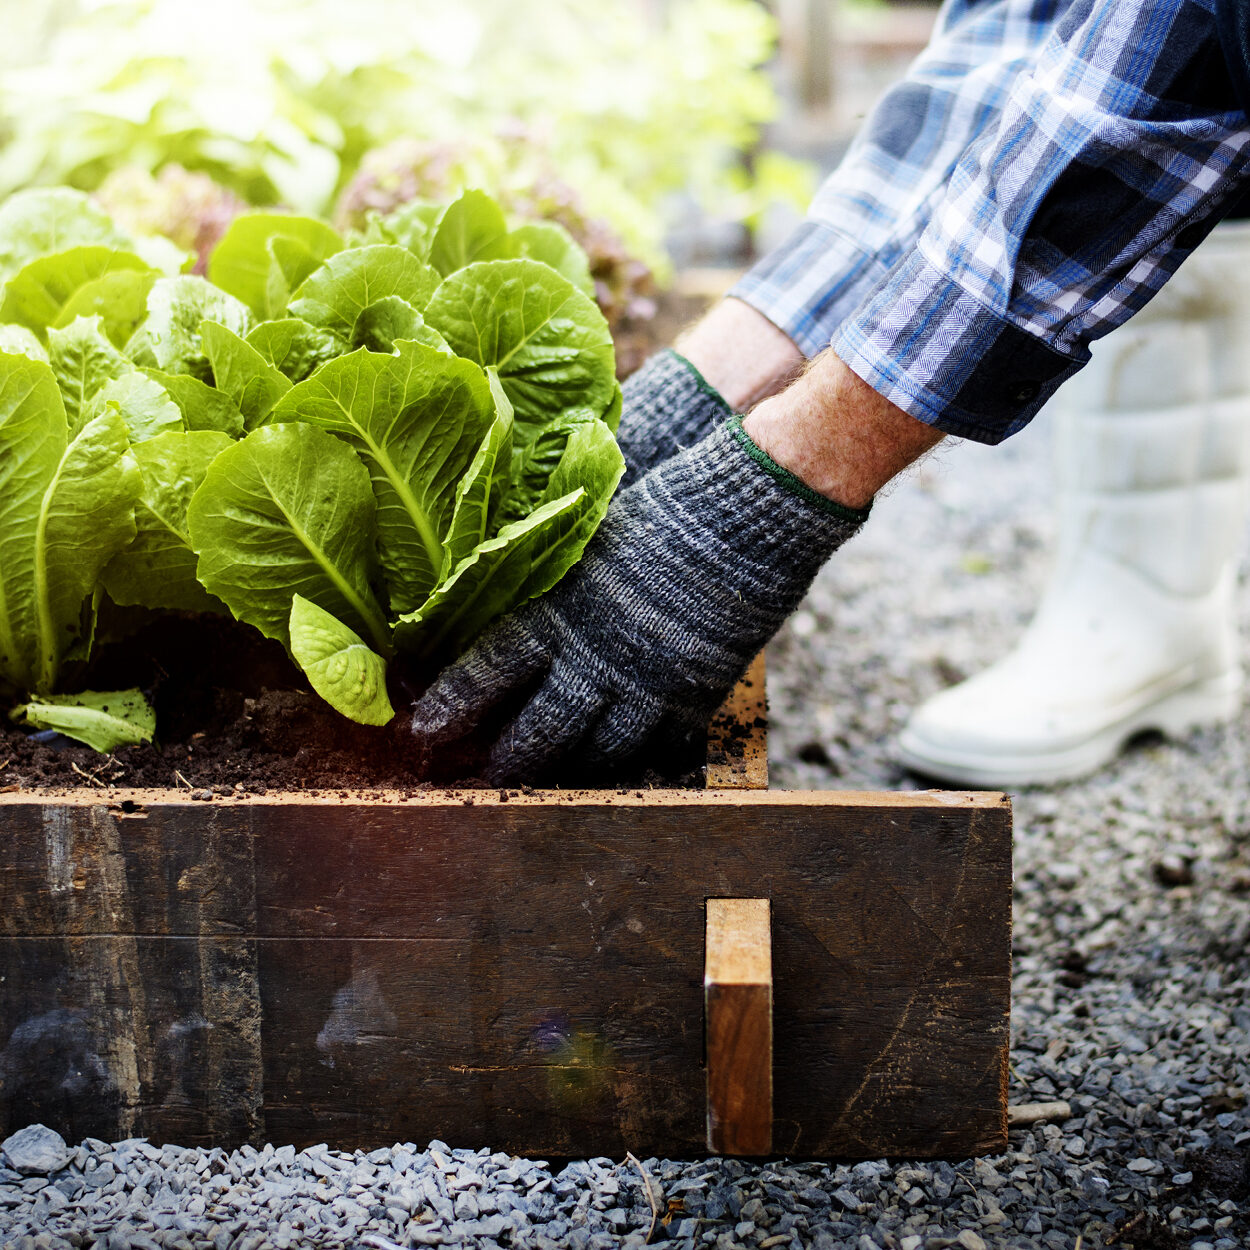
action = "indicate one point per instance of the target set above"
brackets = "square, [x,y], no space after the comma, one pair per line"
[668,406]
[795,485]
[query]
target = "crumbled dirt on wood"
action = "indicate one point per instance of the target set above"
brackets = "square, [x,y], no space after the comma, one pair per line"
[731,734]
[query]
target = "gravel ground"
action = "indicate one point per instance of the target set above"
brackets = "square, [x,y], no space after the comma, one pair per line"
[1132,985]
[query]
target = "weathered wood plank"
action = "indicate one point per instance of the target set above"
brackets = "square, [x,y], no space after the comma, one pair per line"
[526,973]
[83,1051]
[738,1018]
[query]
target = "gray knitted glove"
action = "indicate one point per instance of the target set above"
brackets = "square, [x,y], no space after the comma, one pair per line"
[694,568]
[668,407]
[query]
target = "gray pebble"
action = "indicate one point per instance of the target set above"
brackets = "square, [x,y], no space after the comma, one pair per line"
[36,1149]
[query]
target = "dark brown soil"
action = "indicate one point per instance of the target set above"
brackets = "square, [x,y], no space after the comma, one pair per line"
[1225,1171]
[234,714]
[231,711]
[1144,1231]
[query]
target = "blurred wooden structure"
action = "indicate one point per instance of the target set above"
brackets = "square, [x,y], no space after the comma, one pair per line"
[835,59]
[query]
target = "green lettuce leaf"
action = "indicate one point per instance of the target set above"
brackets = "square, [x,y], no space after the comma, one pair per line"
[19,341]
[490,580]
[203,407]
[293,264]
[242,373]
[295,348]
[612,415]
[104,720]
[347,284]
[591,462]
[549,342]
[157,569]
[144,405]
[533,468]
[177,308]
[472,228]
[387,321]
[485,486]
[339,665]
[138,349]
[411,225]
[83,360]
[82,282]
[252,263]
[45,220]
[416,419]
[118,298]
[528,556]
[552,244]
[66,508]
[163,255]
[287,511]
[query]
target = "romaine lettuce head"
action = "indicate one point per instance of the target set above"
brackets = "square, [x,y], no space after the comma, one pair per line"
[355,447]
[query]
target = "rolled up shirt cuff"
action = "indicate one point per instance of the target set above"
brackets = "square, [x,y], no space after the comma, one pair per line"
[942,356]
[809,285]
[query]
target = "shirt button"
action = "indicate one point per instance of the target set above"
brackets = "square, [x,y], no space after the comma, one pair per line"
[1026,391]
[1190,237]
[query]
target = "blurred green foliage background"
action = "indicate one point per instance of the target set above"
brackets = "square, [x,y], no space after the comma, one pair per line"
[600,109]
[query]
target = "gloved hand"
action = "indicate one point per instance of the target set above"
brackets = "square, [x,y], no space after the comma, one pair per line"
[668,407]
[694,568]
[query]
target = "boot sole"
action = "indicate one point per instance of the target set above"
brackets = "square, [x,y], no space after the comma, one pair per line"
[1211,702]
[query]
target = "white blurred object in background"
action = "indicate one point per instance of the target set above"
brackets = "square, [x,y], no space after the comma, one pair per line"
[1137,628]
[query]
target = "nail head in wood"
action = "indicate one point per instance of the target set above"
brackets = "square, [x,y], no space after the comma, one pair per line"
[738,1013]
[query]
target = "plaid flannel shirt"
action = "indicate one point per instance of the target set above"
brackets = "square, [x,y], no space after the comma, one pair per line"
[1038,175]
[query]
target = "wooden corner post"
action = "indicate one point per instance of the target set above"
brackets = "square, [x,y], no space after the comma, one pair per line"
[738,1015]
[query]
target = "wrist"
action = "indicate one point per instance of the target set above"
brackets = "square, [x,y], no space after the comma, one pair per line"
[836,435]
[741,354]
[791,482]
[667,405]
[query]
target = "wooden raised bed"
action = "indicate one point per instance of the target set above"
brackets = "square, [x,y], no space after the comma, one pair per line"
[524,970]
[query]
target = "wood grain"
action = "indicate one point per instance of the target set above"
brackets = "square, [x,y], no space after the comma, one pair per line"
[739,944]
[519,970]
[738,1014]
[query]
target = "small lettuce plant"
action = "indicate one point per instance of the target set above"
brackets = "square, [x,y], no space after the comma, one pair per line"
[360,446]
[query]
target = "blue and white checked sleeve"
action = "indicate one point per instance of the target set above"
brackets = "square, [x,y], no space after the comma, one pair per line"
[1040,173]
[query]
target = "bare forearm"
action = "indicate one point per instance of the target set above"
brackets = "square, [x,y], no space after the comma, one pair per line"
[741,353]
[822,422]
[836,434]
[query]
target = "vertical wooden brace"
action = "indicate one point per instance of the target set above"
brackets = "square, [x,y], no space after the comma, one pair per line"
[738,1014]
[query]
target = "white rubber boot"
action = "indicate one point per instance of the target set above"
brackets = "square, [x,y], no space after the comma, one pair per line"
[1136,629]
